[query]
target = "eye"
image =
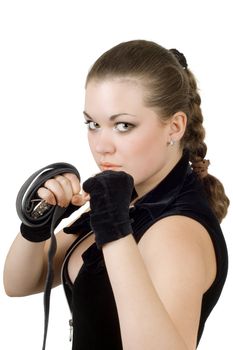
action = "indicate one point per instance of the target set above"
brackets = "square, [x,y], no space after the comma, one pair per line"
[123,127]
[91,125]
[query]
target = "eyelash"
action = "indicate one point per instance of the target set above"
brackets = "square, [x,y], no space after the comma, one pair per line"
[130,126]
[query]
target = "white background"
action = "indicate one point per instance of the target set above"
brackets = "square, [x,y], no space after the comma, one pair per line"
[47,48]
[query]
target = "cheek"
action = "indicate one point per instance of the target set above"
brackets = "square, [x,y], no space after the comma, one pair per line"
[149,144]
[91,144]
[145,155]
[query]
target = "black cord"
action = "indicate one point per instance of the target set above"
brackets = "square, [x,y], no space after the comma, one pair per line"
[58,212]
[26,206]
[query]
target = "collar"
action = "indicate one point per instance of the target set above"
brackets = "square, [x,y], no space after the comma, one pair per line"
[151,205]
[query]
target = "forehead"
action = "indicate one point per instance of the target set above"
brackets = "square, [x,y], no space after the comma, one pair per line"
[115,92]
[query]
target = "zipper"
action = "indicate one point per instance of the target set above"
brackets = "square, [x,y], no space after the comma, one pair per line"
[63,284]
[71,329]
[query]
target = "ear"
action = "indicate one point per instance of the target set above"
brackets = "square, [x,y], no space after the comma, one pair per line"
[177,126]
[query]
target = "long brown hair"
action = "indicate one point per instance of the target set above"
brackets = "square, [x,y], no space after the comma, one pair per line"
[170,87]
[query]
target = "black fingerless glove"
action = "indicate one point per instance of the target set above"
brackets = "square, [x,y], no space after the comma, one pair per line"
[42,233]
[111,193]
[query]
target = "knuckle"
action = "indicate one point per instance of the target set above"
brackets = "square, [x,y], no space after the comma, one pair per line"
[49,183]
[74,182]
[49,196]
[41,193]
[64,181]
[71,176]
[46,195]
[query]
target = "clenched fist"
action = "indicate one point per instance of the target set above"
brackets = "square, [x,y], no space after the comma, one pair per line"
[110,196]
[63,190]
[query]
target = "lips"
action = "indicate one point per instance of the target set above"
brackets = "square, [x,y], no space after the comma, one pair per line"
[108,166]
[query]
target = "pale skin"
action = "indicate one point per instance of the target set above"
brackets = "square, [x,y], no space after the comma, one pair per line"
[158,283]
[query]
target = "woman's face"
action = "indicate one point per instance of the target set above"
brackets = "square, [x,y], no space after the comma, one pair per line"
[123,134]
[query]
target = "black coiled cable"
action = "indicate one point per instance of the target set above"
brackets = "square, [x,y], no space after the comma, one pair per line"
[34,212]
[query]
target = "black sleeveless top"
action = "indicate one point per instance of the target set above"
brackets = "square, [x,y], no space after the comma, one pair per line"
[91,299]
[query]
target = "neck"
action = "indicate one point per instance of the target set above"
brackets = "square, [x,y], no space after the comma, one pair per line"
[155,179]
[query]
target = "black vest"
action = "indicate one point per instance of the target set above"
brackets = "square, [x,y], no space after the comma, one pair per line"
[91,300]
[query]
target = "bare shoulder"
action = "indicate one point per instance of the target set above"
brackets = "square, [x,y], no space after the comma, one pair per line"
[178,239]
[180,259]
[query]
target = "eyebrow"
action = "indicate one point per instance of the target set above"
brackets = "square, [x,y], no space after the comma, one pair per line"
[112,117]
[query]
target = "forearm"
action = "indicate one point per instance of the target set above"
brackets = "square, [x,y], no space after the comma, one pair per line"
[24,269]
[144,321]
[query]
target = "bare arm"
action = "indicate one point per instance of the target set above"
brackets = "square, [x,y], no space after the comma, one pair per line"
[158,285]
[26,265]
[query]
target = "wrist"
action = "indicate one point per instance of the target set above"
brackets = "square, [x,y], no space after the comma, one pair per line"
[108,231]
[35,234]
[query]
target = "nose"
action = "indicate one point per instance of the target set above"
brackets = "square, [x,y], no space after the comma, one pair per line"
[104,142]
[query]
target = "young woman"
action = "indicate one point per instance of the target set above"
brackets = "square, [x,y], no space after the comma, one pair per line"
[144,267]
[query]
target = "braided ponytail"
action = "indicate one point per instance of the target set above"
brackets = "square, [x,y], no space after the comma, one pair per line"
[193,140]
[171,87]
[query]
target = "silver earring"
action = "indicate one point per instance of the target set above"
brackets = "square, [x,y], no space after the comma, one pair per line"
[171,143]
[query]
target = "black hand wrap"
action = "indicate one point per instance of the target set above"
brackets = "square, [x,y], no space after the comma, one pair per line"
[111,193]
[42,233]
[39,225]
